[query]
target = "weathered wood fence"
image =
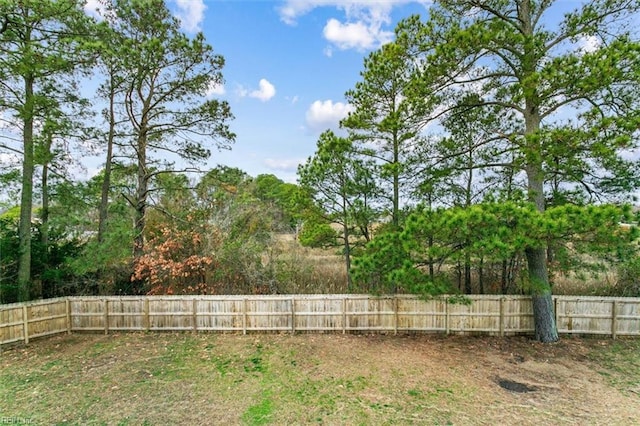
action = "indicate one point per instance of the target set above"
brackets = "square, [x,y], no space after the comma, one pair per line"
[492,315]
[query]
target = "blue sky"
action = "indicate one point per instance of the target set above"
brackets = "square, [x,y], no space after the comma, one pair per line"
[288,65]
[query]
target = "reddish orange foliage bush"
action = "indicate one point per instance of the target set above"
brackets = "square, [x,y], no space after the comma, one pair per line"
[174,264]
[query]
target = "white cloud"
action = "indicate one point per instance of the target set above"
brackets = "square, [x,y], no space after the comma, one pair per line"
[364,24]
[355,35]
[265,92]
[323,115]
[284,165]
[191,14]
[94,8]
[589,44]
[292,9]
[241,91]
[293,99]
[215,89]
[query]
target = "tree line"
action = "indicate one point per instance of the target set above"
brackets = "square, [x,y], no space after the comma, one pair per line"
[490,139]
[153,82]
[489,149]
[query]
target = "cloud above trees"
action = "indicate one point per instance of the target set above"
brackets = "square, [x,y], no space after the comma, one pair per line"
[323,115]
[266,90]
[364,26]
[191,14]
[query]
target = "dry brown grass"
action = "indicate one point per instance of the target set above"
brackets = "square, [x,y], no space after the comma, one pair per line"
[319,379]
[571,284]
[304,270]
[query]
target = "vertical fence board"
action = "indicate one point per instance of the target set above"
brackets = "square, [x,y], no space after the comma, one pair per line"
[25,319]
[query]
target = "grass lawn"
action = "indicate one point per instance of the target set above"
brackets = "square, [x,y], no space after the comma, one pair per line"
[211,379]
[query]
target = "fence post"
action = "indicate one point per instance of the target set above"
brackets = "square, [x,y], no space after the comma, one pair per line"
[244,316]
[106,316]
[68,308]
[195,314]
[446,316]
[293,314]
[25,326]
[555,311]
[145,310]
[501,326]
[614,319]
[395,314]
[344,314]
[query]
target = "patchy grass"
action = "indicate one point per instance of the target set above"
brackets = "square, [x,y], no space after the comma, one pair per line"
[153,379]
[620,364]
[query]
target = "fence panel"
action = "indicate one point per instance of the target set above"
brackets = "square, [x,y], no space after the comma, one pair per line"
[46,318]
[319,313]
[597,315]
[87,313]
[220,314]
[415,314]
[517,315]
[369,313]
[24,321]
[12,323]
[168,313]
[627,319]
[494,315]
[126,313]
[269,313]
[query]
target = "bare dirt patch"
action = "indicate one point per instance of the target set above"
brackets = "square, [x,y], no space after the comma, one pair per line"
[320,379]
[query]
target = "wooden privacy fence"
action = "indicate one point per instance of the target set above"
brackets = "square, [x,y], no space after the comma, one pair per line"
[492,315]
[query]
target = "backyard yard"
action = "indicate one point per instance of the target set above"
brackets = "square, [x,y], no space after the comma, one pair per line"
[168,378]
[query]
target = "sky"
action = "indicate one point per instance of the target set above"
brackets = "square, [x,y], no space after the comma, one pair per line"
[288,66]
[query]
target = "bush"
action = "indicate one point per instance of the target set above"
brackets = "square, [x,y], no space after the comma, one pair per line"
[628,283]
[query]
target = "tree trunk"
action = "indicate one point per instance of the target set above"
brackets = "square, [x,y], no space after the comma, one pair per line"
[106,182]
[347,255]
[141,199]
[26,197]
[504,277]
[37,291]
[44,212]
[431,261]
[543,313]
[396,183]
[467,274]
[544,317]
[481,275]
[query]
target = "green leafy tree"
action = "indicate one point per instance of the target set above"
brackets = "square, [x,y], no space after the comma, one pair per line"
[531,67]
[9,243]
[60,131]
[389,113]
[587,237]
[110,62]
[220,184]
[340,183]
[42,46]
[167,75]
[467,159]
[287,198]
[104,265]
